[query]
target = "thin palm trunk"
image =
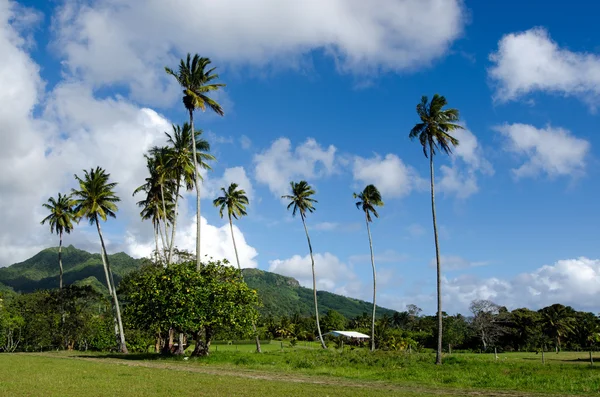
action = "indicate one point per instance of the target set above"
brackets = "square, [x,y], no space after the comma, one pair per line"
[110,280]
[60,266]
[60,289]
[170,258]
[374,285]
[312,260]
[237,258]
[162,193]
[108,284]
[162,237]
[197,176]
[156,240]
[438,358]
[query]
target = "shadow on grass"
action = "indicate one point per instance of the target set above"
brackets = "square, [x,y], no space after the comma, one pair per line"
[134,356]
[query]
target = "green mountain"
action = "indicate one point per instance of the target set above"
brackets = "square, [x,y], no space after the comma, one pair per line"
[41,270]
[280,295]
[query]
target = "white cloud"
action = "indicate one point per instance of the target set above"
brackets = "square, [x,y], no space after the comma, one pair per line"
[331,273]
[211,187]
[468,161]
[455,262]
[574,282]
[387,256]
[392,177]
[530,61]
[326,226]
[245,142]
[279,164]
[394,36]
[551,151]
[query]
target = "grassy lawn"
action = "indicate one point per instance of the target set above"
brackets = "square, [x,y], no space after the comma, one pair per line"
[297,371]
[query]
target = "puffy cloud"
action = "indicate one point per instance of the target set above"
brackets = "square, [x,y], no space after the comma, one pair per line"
[331,273]
[117,42]
[212,186]
[279,164]
[551,151]
[531,61]
[468,161]
[574,282]
[392,177]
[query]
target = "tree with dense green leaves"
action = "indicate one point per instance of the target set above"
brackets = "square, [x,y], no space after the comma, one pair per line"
[301,201]
[180,297]
[558,321]
[61,220]
[96,200]
[234,200]
[368,199]
[433,133]
[181,164]
[197,83]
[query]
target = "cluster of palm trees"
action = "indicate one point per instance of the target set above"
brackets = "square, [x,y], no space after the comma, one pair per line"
[179,163]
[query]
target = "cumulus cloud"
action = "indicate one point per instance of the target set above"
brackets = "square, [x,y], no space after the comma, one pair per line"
[212,186]
[551,151]
[392,177]
[468,161]
[117,41]
[279,164]
[531,61]
[331,273]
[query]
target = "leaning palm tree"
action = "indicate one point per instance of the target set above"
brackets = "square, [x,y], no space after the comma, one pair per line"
[96,200]
[234,200]
[433,133]
[181,165]
[61,221]
[301,202]
[368,199]
[197,84]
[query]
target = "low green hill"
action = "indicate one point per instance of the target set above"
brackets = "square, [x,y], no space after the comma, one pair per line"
[280,295]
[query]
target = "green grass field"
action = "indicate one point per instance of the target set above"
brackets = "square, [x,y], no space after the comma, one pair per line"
[296,371]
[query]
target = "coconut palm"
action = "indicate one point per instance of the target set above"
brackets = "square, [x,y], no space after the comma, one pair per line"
[558,321]
[433,133]
[368,199]
[96,200]
[302,202]
[61,221]
[234,200]
[197,83]
[181,165]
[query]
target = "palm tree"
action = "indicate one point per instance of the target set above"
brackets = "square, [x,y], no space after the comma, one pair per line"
[180,163]
[301,201]
[61,221]
[97,200]
[197,84]
[433,133]
[558,321]
[235,202]
[368,199]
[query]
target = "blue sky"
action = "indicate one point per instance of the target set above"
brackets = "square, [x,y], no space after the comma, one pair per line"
[326,93]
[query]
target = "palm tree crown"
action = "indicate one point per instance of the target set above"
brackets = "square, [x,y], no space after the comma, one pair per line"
[96,197]
[234,200]
[61,215]
[368,199]
[180,158]
[300,200]
[197,82]
[435,126]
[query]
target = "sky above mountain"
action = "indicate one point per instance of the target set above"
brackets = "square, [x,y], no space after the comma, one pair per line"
[326,92]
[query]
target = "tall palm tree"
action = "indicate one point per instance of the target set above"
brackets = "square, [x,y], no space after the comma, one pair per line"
[234,200]
[301,202]
[181,164]
[558,321]
[433,133]
[158,203]
[197,83]
[368,199]
[61,221]
[96,200]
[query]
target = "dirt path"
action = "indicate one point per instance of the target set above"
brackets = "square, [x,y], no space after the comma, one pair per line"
[284,377]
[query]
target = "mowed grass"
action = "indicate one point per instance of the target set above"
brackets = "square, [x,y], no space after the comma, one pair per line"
[298,371]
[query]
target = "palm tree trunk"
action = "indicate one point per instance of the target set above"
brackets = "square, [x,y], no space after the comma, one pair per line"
[170,258]
[165,220]
[197,175]
[374,285]
[60,266]
[438,358]
[237,258]
[60,289]
[314,283]
[111,281]
[162,237]
[156,241]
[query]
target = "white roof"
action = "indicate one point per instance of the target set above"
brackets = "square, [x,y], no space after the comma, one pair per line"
[348,334]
